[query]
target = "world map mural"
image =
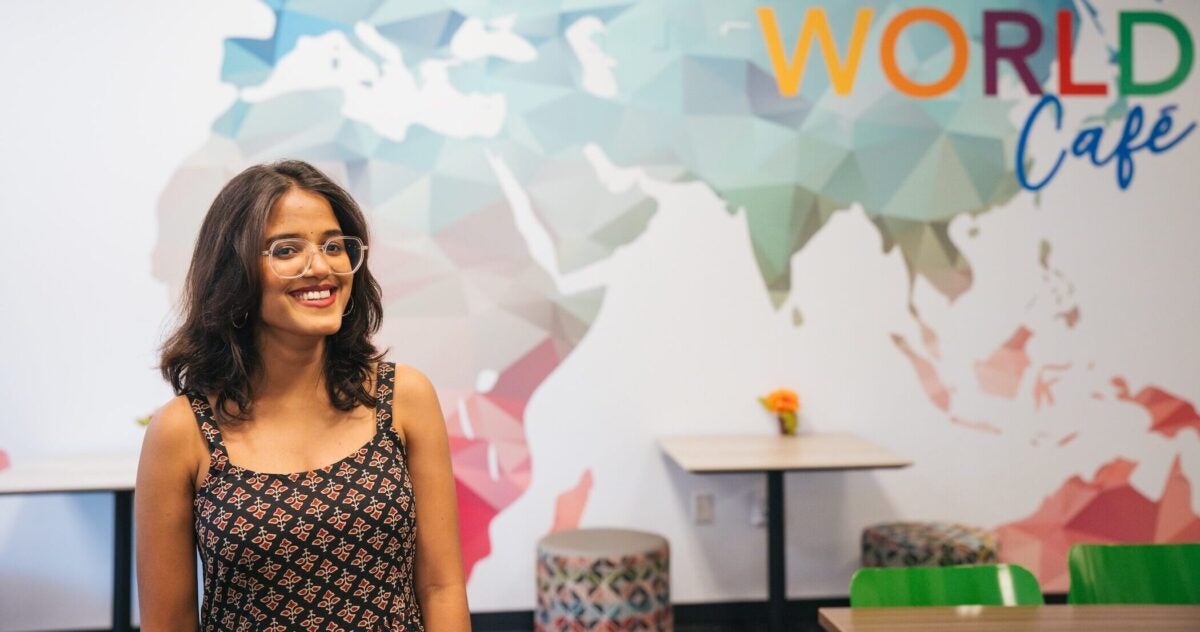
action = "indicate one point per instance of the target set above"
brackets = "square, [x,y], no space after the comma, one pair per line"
[485,140]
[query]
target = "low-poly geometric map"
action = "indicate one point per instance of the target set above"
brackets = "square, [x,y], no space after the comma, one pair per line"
[473,132]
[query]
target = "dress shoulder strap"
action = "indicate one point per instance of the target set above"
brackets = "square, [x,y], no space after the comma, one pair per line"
[384,391]
[218,458]
[384,376]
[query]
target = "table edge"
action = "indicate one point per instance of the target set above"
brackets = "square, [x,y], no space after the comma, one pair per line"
[67,490]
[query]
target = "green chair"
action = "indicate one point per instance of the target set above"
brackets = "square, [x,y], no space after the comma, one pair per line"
[1134,573]
[984,585]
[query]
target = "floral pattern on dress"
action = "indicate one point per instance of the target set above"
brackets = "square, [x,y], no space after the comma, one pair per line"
[332,549]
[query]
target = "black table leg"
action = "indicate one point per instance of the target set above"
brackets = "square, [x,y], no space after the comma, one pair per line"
[776,554]
[122,560]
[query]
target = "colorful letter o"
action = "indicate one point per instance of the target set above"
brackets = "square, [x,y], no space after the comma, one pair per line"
[887,52]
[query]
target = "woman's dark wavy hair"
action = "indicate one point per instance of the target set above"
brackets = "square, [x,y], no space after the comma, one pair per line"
[208,354]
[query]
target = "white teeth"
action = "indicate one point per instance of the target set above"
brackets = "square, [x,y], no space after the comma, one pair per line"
[314,296]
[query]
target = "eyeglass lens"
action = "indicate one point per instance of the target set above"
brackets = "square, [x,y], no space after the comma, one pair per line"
[291,258]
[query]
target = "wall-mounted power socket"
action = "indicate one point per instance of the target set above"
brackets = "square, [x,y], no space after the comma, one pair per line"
[703,509]
[758,511]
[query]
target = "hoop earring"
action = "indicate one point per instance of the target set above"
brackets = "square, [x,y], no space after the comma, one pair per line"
[351,304]
[236,324]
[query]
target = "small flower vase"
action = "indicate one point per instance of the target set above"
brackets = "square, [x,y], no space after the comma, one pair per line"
[788,423]
[785,404]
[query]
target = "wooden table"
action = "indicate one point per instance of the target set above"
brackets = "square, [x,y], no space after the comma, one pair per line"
[774,455]
[1014,618]
[114,475]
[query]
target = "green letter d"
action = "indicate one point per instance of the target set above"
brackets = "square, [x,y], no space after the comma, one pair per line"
[1186,52]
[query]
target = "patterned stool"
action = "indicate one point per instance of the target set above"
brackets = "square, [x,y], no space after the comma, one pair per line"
[604,580]
[928,544]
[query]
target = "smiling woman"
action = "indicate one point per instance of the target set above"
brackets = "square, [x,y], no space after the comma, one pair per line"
[292,456]
[304,290]
[232,295]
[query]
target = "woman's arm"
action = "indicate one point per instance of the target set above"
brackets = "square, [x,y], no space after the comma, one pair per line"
[172,453]
[440,586]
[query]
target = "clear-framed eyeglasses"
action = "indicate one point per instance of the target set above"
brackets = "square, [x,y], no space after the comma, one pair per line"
[292,257]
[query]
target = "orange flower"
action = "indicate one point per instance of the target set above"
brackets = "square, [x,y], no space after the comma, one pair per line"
[782,401]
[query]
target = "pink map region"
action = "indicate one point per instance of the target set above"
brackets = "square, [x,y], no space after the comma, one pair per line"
[4,460]
[1001,373]
[1168,413]
[930,339]
[1105,509]
[926,373]
[491,457]
[1043,393]
[1070,317]
[568,509]
[978,426]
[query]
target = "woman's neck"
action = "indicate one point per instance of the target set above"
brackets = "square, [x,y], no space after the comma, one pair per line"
[292,366]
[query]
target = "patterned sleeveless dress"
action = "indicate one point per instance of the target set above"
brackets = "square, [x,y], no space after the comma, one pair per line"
[329,549]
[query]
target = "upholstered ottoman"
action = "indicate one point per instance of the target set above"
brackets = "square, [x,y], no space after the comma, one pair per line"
[928,544]
[604,580]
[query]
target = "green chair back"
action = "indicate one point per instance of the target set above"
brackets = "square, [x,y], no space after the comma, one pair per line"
[984,585]
[1134,573]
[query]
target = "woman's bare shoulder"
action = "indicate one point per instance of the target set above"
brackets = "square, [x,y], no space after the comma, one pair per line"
[414,401]
[173,430]
[412,386]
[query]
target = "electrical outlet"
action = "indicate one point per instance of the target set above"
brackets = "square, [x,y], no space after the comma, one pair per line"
[758,511]
[703,508]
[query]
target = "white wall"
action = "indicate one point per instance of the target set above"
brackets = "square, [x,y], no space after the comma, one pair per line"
[102,103]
